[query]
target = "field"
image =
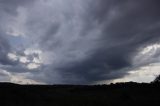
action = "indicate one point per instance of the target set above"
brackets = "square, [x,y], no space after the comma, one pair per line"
[125,94]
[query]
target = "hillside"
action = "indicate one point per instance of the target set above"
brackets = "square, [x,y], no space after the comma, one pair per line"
[124,94]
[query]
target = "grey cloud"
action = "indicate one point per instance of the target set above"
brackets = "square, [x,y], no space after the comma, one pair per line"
[7,6]
[87,41]
[121,39]
[4,49]
[124,26]
[8,11]
[10,6]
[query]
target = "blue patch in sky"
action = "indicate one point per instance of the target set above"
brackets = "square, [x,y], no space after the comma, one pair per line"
[18,42]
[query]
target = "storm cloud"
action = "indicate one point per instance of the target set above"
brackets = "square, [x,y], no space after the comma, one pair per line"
[77,41]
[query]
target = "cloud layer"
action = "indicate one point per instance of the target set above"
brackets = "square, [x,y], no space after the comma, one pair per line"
[77,41]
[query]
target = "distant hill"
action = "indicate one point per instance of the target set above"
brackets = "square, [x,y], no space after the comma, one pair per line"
[120,94]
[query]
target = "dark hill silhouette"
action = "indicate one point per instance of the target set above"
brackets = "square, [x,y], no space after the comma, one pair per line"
[125,94]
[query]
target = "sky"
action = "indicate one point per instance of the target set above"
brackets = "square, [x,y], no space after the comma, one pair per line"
[79,41]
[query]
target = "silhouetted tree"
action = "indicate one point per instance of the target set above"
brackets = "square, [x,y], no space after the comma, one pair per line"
[157,79]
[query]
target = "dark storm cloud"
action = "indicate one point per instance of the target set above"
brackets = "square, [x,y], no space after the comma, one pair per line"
[82,41]
[134,25]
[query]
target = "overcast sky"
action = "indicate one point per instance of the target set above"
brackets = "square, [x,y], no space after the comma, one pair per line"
[79,41]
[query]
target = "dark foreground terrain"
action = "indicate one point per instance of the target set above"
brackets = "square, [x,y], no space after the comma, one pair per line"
[122,94]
